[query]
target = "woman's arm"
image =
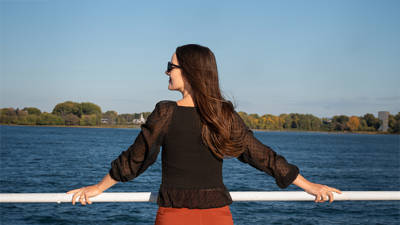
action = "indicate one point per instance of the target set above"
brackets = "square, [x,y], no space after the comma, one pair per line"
[90,191]
[320,191]
[137,158]
[106,182]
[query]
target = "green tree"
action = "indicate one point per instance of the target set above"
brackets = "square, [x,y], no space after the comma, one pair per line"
[372,121]
[32,119]
[287,121]
[339,122]
[125,118]
[295,120]
[326,124]
[121,120]
[22,117]
[71,119]
[394,123]
[8,116]
[68,107]
[304,122]
[315,123]
[111,116]
[90,108]
[32,111]
[90,120]
[50,119]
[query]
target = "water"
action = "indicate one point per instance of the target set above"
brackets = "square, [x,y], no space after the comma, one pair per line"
[55,159]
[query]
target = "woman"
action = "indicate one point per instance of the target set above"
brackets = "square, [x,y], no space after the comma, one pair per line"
[196,134]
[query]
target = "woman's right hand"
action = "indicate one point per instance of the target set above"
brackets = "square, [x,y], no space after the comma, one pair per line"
[84,193]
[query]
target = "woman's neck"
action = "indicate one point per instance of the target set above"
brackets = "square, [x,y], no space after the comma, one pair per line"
[186,101]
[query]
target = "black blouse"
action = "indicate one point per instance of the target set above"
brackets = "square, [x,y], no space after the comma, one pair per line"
[191,173]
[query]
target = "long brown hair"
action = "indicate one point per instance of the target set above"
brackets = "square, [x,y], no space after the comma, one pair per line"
[219,131]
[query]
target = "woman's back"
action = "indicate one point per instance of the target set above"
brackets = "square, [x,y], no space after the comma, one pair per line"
[191,173]
[187,162]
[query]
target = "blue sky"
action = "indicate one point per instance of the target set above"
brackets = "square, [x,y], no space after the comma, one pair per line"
[320,57]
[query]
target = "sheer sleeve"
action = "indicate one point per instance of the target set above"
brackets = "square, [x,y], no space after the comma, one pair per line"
[145,149]
[263,158]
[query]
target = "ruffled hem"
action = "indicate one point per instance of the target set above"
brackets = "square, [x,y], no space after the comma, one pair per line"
[203,198]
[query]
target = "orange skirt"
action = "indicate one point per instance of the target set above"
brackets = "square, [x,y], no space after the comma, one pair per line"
[185,216]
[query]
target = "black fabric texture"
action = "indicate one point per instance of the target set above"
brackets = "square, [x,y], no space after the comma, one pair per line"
[191,173]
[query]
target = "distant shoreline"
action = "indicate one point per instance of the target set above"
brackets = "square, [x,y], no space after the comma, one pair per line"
[330,132]
[264,130]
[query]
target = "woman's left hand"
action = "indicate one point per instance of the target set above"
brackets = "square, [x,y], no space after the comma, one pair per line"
[321,192]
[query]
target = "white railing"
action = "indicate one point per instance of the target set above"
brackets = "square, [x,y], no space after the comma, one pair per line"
[236,196]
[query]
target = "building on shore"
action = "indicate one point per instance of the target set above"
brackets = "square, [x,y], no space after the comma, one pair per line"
[139,121]
[384,120]
[109,121]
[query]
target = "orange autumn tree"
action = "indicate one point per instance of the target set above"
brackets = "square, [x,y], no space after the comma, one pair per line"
[353,123]
[274,120]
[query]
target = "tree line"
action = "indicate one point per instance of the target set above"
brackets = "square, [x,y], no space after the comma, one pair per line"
[67,113]
[307,122]
[89,114]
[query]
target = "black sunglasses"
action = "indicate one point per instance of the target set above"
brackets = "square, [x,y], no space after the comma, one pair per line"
[171,66]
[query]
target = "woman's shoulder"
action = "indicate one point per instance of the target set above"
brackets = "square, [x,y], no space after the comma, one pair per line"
[162,112]
[165,106]
[166,103]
